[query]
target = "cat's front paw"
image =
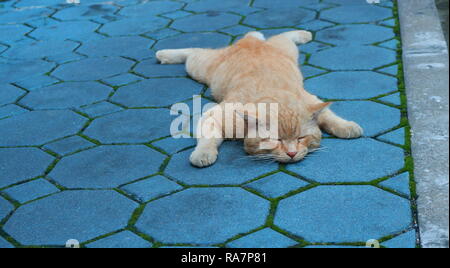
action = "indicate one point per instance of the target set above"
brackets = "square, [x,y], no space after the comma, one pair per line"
[203,158]
[348,130]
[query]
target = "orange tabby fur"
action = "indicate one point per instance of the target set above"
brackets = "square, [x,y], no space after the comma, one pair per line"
[254,70]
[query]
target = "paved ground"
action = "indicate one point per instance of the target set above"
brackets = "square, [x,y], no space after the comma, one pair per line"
[85,151]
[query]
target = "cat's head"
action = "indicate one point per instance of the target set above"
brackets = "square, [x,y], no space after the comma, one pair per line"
[298,134]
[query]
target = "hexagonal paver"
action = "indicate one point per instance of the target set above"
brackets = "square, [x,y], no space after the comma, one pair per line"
[31,190]
[157,92]
[11,110]
[10,94]
[151,188]
[118,46]
[86,12]
[79,31]
[365,212]
[280,18]
[210,21]
[396,136]
[351,85]
[393,99]
[353,58]
[17,16]
[360,13]
[39,3]
[40,49]
[373,117]
[309,71]
[277,185]
[236,6]
[60,217]
[406,240]
[203,40]
[142,125]
[5,208]
[93,69]
[39,127]
[69,145]
[19,70]
[152,68]
[400,184]
[37,82]
[134,26]
[286,3]
[150,9]
[66,95]
[199,216]
[100,109]
[107,166]
[172,145]
[265,238]
[355,34]
[227,170]
[125,239]
[12,168]
[366,158]
[9,34]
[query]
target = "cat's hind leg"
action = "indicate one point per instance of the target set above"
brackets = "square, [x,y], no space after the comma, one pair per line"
[174,56]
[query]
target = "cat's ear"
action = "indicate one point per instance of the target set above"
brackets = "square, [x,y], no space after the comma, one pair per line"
[317,109]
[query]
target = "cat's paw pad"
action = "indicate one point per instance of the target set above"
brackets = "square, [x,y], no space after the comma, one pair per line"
[203,158]
[348,130]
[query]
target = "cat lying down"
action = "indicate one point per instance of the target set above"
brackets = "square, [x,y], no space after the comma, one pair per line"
[254,71]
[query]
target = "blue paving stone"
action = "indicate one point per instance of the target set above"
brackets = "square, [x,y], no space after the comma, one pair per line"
[66,95]
[396,136]
[333,246]
[348,2]
[235,6]
[313,47]
[37,82]
[10,94]
[316,25]
[206,22]
[11,110]
[229,168]
[285,4]
[43,22]
[367,160]
[17,16]
[277,185]
[69,145]
[125,239]
[359,14]
[265,238]
[406,240]
[9,34]
[65,58]
[172,145]
[107,166]
[134,26]
[131,126]
[19,70]
[152,68]
[351,85]
[123,79]
[150,9]
[85,12]
[365,212]
[3,48]
[40,49]
[199,215]
[31,190]
[237,30]
[309,71]
[39,127]
[318,6]
[391,44]
[82,215]
[152,188]
[5,208]
[373,117]
[135,47]
[203,40]
[399,184]
[93,69]
[390,23]
[355,34]
[13,169]
[157,92]
[100,109]
[162,33]
[280,18]
[34,3]
[5,244]
[177,14]
[394,99]
[272,32]
[79,31]
[353,58]
[393,70]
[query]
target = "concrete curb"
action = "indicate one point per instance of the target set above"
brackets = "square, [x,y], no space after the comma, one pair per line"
[425,58]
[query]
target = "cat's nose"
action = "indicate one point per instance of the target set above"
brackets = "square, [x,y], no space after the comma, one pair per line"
[292,154]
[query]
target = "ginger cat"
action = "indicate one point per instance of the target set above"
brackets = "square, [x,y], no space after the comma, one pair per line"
[256,70]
